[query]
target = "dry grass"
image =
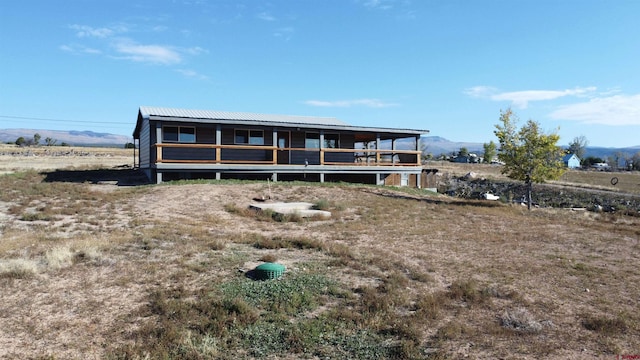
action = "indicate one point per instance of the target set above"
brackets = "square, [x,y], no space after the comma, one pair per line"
[628,182]
[398,274]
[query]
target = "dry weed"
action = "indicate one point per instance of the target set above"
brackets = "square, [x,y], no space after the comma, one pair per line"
[18,268]
[519,319]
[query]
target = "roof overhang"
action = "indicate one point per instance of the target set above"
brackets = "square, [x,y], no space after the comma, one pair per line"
[277,121]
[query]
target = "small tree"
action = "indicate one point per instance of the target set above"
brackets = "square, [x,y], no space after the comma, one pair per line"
[20,141]
[636,161]
[50,141]
[463,152]
[489,151]
[590,160]
[578,146]
[528,154]
[36,139]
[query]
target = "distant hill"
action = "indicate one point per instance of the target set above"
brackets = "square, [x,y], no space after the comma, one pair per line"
[604,153]
[437,145]
[73,137]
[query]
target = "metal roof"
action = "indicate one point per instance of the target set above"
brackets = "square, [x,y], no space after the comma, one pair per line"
[244,116]
[252,119]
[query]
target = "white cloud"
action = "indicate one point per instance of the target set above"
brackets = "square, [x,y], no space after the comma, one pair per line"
[285,33]
[88,31]
[372,103]
[615,110]
[195,50]
[79,49]
[156,54]
[521,99]
[266,16]
[119,47]
[480,91]
[379,4]
[192,74]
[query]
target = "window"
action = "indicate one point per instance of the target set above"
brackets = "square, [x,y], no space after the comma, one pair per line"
[312,141]
[179,134]
[332,141]
[252,137]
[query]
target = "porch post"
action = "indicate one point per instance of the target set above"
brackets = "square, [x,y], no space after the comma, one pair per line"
[419,160]
[321,177]
[218,150]
[274,139]
[393,151]
[158,141]
[321,145]
[378,149]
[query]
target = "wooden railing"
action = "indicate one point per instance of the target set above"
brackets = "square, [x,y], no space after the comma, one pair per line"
[364,157]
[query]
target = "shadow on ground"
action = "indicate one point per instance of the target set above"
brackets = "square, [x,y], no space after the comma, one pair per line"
[117,176]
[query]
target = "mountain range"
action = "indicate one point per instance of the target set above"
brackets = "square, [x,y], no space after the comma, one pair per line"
[76,138]
[435,145]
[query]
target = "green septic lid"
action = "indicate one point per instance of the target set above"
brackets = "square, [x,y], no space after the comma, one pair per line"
[269,271]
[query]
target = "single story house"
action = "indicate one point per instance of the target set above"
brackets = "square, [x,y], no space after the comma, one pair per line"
[187,144]
[571,161]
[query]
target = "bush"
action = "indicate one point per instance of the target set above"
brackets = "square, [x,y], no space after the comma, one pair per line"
[605,325]
[521,320]
[18,269]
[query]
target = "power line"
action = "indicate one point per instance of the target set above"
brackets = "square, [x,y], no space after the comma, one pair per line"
[63,120]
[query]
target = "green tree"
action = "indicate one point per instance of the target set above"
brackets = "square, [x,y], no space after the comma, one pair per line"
[50,141]
[36,139]
[489,151]
[463,152]
[529,155]
[20,141]
[636,161]
[129,145]
[590,160]
[578,146]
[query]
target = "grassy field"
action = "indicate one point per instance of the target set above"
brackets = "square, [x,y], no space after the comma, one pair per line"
[90,270]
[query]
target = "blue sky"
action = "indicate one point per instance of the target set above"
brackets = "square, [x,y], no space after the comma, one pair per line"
[446,66]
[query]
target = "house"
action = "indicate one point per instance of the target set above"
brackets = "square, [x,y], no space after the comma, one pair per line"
[186,144]
[571,161]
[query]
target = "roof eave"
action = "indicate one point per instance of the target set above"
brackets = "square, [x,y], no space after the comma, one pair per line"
[290,125]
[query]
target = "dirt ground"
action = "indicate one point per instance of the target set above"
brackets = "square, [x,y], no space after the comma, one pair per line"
[561,264]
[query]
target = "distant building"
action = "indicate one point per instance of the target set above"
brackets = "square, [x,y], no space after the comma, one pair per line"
[601,166]
[571,161]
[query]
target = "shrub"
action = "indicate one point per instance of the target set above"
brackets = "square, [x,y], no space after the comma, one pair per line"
[37,216]
[321,204]
[467,291]
[268,258]
[604,325]
[59,258]
[18,268]
[521,320]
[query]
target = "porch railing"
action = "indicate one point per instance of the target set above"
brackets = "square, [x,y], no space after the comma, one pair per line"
[362,157]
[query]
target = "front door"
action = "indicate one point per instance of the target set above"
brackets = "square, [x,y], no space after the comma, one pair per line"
[283,147]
